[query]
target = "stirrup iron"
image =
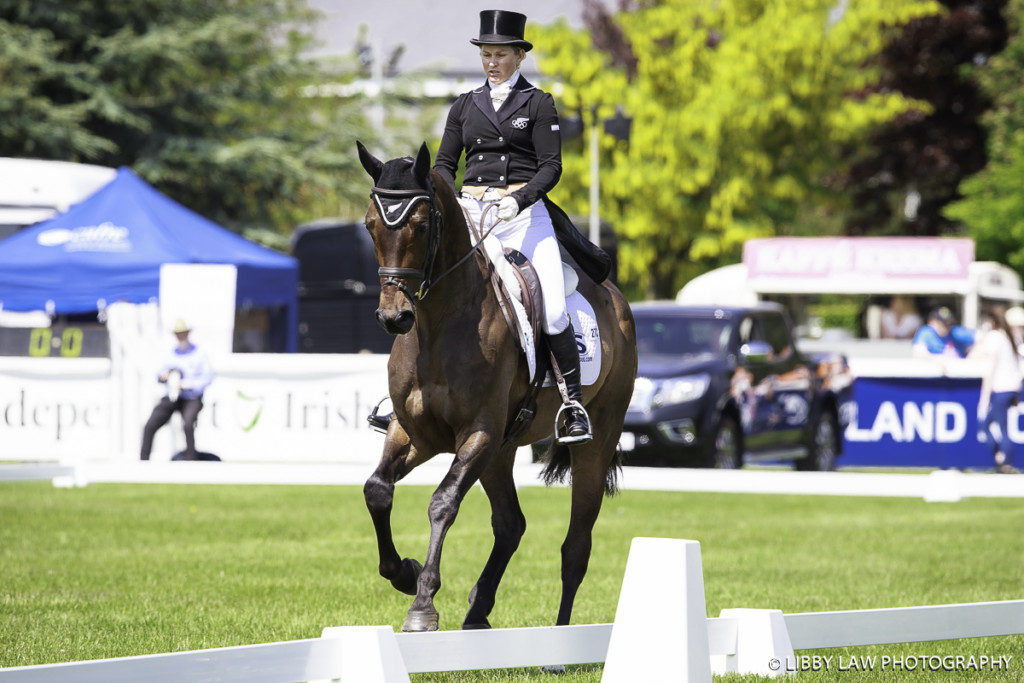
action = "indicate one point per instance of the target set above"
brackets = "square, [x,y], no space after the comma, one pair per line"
[567,439]
[380,423]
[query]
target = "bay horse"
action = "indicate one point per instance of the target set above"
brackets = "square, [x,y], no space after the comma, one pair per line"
[456,376]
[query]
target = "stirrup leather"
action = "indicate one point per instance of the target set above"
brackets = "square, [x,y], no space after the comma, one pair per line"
[565,439]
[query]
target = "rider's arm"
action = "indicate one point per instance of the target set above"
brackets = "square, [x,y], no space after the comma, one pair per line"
[547,145]
[447,161]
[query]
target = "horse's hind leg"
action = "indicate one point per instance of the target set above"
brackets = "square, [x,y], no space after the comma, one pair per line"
[508,524]
[590,463]
[466,468]
[398,459]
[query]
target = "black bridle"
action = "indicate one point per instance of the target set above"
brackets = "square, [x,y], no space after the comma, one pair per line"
[409,199]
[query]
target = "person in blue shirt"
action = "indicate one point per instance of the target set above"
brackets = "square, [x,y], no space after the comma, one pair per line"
[195,372]
[941,336]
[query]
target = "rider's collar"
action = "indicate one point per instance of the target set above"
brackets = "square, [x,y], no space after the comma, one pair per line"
[510,82]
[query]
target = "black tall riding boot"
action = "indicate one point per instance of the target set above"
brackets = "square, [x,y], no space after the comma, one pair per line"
[567,359]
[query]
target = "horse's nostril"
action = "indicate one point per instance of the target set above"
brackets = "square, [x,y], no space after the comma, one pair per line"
[396,323]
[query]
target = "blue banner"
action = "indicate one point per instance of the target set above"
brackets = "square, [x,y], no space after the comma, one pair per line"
[919,422]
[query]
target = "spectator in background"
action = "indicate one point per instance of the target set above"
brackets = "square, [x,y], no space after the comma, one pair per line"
[899,320]
[1015,320]
[1000,385]
[193,368]
[942,337]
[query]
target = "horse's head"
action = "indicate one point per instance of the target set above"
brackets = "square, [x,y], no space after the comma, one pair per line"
[405,225]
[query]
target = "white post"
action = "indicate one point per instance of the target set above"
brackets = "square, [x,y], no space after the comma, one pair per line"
[943,486]
[368,654]
[762,644]
[661,627]
[595,184]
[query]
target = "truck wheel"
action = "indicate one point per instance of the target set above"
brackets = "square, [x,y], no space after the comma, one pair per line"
[727,453]
[821,456]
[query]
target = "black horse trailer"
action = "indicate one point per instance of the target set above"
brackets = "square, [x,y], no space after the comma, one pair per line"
[338,289]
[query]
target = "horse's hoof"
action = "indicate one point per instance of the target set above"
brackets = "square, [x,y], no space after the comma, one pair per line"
[558,670]
[407,576]
[477,626]
[416,622]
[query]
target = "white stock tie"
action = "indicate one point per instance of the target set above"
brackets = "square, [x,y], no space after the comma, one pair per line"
[499,93]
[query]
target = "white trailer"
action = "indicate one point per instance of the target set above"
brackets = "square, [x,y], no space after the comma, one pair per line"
[32,190]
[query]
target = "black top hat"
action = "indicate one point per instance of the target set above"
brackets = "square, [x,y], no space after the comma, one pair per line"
[501,27]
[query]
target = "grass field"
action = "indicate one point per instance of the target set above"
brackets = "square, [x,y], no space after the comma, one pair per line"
[117,570]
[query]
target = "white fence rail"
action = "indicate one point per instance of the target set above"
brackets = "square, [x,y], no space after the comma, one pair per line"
[811,630]
[936,486]
[740,640]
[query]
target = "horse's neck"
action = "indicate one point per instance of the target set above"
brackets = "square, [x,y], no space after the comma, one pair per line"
[460,298]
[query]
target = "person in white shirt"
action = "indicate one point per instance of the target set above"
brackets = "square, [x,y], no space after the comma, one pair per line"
[195,372]
[899,321]
[1000,386]
[1015,319]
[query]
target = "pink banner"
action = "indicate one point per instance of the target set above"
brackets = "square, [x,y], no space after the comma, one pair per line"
[856,257]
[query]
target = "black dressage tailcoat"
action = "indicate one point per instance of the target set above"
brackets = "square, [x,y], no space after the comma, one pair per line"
[519,143]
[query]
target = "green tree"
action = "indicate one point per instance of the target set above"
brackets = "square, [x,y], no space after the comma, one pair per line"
[909,168]
[739,110]
[992,207]
[213,102]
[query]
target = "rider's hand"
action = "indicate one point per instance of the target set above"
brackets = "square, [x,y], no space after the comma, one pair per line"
[508,207]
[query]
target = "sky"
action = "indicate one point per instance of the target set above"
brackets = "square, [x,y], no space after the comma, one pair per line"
[435,33]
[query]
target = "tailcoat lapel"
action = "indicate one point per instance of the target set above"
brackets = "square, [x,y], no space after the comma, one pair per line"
[521,92]
[482,99]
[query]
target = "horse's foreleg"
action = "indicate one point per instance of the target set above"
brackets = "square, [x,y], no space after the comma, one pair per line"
[398,459]
[509,525]
[470,460]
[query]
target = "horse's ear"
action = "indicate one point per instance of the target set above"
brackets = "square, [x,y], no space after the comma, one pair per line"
[372,164]
[421,169]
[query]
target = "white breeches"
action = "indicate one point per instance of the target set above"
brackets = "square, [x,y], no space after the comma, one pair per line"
[531,233]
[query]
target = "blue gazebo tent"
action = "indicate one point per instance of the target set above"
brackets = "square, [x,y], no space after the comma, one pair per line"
[110,248]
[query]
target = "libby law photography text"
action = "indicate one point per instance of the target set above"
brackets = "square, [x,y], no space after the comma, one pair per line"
[892,663]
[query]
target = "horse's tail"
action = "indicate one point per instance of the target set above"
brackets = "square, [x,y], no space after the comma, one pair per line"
[559,466]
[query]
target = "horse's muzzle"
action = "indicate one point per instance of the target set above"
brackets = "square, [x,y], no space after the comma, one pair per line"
[396,322]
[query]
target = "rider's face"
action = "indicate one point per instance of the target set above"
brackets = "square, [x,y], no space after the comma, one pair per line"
[500,61]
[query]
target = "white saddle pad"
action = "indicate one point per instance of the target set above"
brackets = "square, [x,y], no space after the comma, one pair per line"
[581,315]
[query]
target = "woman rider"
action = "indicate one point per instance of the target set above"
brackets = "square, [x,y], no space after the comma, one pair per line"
[509,130]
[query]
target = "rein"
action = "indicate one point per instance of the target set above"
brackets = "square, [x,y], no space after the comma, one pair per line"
[409,198]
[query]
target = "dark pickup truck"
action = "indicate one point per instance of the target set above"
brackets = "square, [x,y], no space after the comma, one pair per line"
[720,386]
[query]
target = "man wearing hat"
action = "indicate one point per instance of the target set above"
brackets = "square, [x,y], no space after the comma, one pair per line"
[941,336]
[509,131]
[195,373]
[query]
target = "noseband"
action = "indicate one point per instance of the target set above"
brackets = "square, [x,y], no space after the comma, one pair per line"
[394,207]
